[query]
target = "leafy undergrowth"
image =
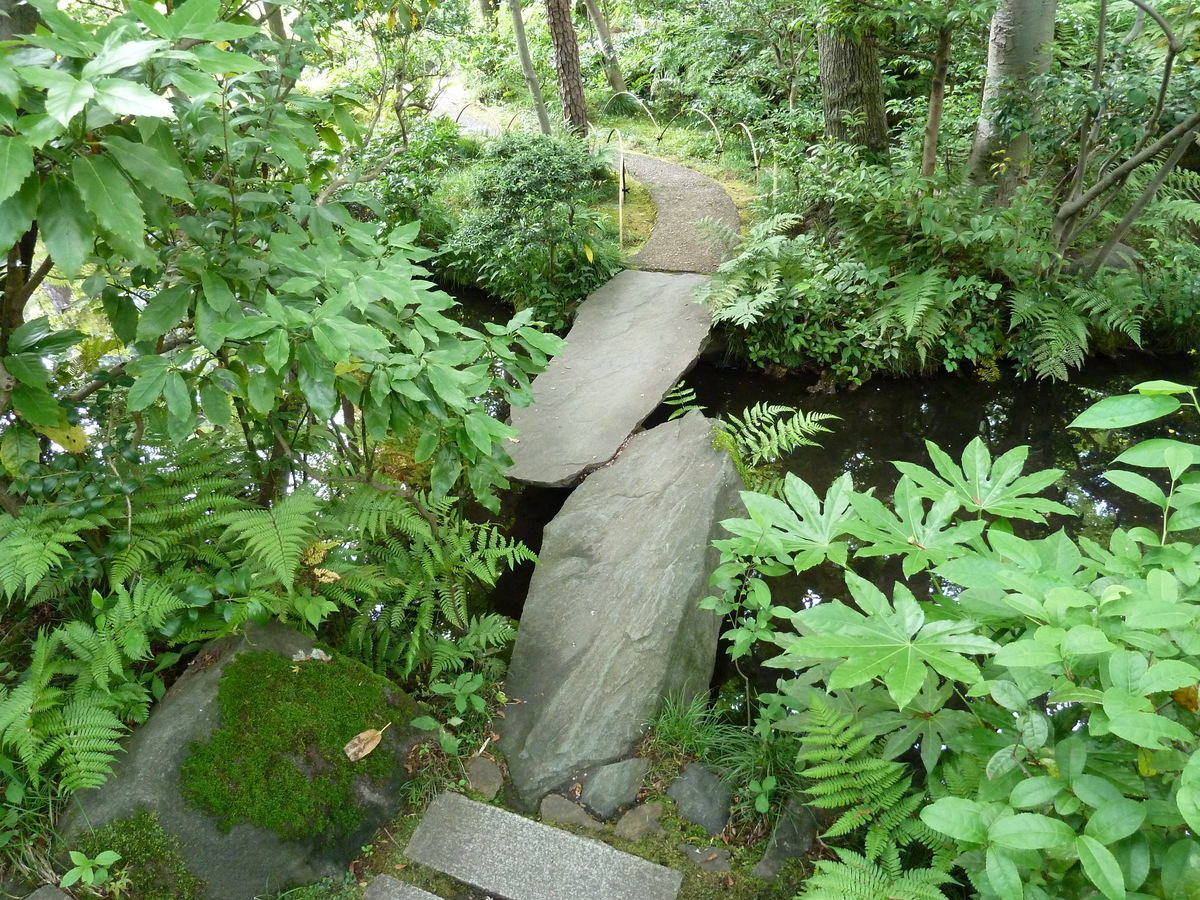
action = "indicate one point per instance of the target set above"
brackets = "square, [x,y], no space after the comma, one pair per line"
[150,867]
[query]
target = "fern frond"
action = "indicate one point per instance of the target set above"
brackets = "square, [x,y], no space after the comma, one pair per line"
[767,431]
[276,537]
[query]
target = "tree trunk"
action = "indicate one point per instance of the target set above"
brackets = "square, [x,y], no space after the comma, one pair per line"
[1018,51]
[531,79]
[566,65]
[612,68]
[852,89]
[487,13]
[937,101]
[16,19]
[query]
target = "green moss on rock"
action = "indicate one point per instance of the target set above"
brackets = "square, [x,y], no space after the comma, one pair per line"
[150,867]
[277,760]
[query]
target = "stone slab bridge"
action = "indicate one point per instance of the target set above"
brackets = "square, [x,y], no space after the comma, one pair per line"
[632,339]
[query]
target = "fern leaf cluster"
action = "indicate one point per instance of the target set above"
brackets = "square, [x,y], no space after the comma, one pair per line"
[844,771]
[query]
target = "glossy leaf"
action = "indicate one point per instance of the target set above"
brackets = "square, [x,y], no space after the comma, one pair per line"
[16,163]
[1126,410]
[1101,867]
[109,197]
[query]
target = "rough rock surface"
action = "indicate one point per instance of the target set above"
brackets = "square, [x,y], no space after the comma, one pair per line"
[607,788]
[507,855]
[557,809]
[612,623]
[246,861]
[710,859]
[49,892]
[683,197]
[794,835]
[485,776]
[702,798]
[385,887]
[641,822]
[631,341]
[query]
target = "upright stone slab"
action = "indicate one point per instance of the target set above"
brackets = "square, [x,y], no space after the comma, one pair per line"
[612,623]
[631,341]
[505,854]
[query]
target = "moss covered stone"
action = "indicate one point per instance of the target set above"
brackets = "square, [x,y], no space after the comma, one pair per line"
[150,867]
[277,760]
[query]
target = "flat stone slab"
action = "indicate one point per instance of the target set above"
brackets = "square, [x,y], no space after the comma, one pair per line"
[683,197]
[631,341]
[385,887]
[612,623]
[503,853]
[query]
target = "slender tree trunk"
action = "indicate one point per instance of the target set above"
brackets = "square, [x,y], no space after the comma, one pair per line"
[852,89]
[1019,48]
[17,19]
[937,101]
[531,79]
[566,65]
[612,68]
[487,13]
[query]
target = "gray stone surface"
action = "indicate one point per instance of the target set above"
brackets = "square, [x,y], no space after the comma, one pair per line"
[503,853]
[631,341]
[641,822]
[485,776]
[607,788]
[385,887]
[612,623]
[49,892]
[557,809]
[683,197]
[702,798]
[246,861]
[793,837]
[711,859]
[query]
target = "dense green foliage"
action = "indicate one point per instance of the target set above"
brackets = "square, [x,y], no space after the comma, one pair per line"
[1042,688]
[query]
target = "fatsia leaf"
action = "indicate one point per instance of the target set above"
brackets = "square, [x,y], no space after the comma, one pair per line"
[893,642]
[981,485]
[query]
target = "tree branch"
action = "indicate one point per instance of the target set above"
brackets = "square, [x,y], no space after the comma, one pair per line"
[92,386]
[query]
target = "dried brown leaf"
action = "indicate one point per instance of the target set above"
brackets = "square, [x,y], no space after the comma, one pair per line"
[362,744]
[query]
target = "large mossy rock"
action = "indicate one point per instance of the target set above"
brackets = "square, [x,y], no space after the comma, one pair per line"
[238,859]
[612,624]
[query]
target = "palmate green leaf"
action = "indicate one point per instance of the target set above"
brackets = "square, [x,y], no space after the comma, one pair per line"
[923,537]
[892,643]
[980,485]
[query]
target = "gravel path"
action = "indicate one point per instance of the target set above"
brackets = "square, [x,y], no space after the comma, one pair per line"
[683,197]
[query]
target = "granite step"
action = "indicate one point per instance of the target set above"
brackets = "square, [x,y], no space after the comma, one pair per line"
[518,859]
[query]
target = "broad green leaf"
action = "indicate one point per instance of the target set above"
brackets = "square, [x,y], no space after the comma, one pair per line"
[67,98]
[109,197]
[316,380]
[1138,485]
[1126,669]
[216,289]
[119,55]
[216,405]
[1101,867]
[1071,756]
[1168,675]
[1085,640]
[278,351]
[1181,869]
[147,389]
[1126,410]
[1115,819]
[37,406]
[956,817]
[1187,799]
[126,98]
[17,447]
[178,397]
[165,310]
[16,162]
[65,226]
[1152,454]
[1003,874]
[1163,387]
[1027,653]
[1148,729]
[194,15]
[1030,831]
[478,431]
[18,211]
[1036,791]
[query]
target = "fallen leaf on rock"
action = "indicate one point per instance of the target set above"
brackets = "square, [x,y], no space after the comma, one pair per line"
[362,744]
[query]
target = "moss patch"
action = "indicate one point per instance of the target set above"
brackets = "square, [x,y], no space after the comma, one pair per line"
[150,867]
[277,759]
